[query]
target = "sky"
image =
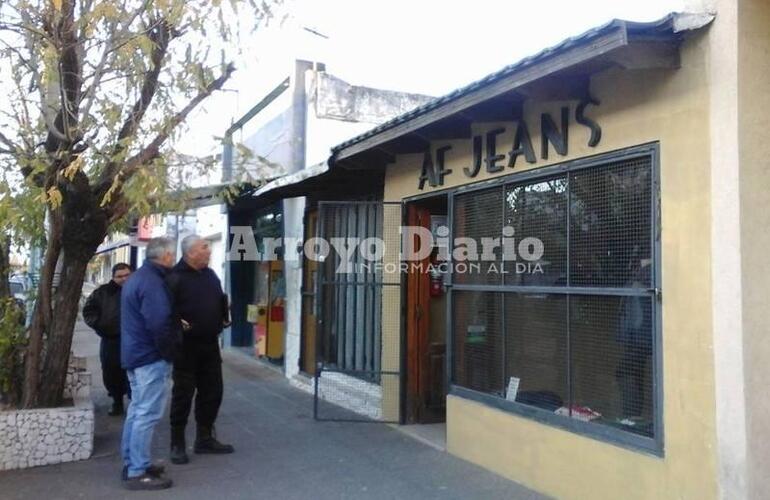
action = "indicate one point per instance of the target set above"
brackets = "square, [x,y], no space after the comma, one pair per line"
[423,46]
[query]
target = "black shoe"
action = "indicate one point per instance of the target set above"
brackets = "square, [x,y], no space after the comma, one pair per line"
[211,446]
[155,470]
[117,408]
[207,443]
[178,445]
[147,482]
[179,454]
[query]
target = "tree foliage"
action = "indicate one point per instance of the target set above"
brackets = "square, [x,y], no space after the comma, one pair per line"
[94,93]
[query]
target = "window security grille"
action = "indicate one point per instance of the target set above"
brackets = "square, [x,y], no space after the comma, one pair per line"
[574,336]
[359,314]
[476,217]
[352,300]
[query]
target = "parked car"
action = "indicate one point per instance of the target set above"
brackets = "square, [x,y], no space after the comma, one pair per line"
[20,288]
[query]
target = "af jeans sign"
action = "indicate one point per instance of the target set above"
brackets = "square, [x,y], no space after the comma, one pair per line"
[489,153]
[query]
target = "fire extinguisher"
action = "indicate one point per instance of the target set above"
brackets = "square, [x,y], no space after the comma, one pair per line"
[436,281]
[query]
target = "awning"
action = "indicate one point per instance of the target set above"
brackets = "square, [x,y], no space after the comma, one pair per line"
[564,67]
[356,167]
[113,245]
[320,181]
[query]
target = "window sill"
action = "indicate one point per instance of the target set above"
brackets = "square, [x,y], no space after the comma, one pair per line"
[614,436]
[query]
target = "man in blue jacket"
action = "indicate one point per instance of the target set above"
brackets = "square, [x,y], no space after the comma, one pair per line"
[149,335]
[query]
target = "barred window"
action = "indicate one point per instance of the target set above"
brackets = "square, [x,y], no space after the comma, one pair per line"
[568,336]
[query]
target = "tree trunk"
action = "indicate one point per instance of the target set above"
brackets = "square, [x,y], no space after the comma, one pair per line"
[78,226]
[66,302]
[41,317]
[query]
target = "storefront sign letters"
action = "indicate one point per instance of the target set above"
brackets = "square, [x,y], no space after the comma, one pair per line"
[487,152]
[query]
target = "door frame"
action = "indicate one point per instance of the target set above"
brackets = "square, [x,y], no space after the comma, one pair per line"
[409,397]
[308,293]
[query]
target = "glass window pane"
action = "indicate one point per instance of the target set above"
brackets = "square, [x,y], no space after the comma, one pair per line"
[536,349]
[611,361]
[478,341]
[610,225]
[478,215]
[538,210]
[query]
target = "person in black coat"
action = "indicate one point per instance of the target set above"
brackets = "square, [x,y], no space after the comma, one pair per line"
[201,304]
[102,313]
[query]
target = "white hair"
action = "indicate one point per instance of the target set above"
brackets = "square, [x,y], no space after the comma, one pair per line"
[188,242]
[157,247]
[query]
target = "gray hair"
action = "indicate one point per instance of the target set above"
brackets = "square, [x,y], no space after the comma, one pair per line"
[188,242]
[156,247]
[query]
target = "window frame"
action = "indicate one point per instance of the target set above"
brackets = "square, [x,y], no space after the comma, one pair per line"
[651,445]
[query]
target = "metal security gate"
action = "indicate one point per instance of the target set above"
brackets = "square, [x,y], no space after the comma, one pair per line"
[358,375]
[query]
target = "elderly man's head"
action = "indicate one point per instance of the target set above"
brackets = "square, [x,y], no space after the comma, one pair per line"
[196,251]
[162,251]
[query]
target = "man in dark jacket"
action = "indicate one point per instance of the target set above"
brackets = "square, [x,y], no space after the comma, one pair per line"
[149,337]
[202,306]
[102,313]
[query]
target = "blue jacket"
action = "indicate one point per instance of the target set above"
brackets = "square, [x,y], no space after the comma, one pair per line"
[148,331]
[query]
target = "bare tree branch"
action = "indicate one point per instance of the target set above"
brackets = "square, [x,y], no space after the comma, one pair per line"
[32,43]
[22,29]
[70,71]
[152,150]
[85,6]
[109,48]
[8,143]
[160,36]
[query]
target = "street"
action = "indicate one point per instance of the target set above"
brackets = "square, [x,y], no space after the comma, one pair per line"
[281,452]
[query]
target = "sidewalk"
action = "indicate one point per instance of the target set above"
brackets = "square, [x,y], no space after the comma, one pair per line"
[281,453]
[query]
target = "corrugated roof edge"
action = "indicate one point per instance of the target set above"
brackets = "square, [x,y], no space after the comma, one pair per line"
[675,22]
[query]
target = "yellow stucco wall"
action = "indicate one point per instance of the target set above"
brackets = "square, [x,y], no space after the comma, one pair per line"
[391,316]
[670,106]
[754,153]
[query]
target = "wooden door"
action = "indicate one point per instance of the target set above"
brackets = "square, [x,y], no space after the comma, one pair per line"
[426,398]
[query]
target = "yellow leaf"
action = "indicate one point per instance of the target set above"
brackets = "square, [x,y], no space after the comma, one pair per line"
[73,168]
[56,4]
[54,197]
[146,44]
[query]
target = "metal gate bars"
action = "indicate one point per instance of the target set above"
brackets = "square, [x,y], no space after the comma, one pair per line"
[358,374]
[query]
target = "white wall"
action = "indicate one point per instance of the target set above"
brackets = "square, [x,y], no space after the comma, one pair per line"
[293,212]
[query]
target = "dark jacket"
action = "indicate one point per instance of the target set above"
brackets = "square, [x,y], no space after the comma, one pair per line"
[102,311]
[149,331]
[199,300]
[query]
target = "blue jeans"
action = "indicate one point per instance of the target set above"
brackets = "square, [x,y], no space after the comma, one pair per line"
[149,391]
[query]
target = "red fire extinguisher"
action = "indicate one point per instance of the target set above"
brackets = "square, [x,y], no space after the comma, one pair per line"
[436,281]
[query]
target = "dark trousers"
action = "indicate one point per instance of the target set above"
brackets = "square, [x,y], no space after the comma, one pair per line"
[113,376]
[197,373]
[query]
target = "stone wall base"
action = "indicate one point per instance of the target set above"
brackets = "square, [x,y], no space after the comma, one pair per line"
[45,436]
[348,392]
